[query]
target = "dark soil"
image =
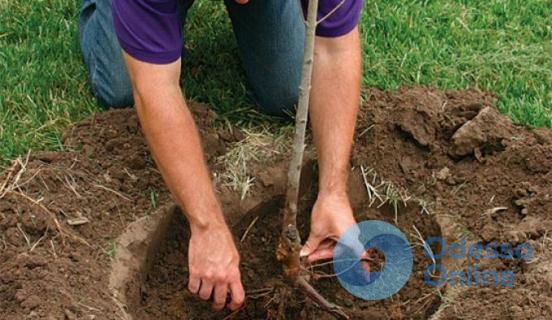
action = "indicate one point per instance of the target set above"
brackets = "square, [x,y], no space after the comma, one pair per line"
[106,176]
[164,294]
[451,149]
[454,150]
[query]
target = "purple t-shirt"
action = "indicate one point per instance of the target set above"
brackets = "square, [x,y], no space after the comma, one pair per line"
[150,30]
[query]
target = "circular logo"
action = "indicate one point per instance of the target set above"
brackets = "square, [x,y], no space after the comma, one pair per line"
[350,248]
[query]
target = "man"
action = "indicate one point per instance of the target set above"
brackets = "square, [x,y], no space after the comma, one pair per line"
[270,35]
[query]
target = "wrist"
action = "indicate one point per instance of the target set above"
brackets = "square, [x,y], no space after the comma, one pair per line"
[205,219]
[204,215]
[333,183]
[213,225]
[334,203]
[333,193]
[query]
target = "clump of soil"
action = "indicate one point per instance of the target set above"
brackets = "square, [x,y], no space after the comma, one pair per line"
[478,175]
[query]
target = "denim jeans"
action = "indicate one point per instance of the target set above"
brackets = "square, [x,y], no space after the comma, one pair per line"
[270,35]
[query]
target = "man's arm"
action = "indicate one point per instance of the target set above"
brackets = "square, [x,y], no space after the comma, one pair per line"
[333,110]
[175,145]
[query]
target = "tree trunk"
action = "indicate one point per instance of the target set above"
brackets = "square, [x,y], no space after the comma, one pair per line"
[290,242]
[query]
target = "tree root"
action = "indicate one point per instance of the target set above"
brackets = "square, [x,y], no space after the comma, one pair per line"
[288,254]
[324,304]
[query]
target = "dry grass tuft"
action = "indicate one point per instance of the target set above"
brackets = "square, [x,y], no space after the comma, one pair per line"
[386,192]
[260,145]
[13,185]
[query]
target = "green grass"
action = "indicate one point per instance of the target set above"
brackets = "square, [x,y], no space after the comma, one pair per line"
[496,45]
[500,46]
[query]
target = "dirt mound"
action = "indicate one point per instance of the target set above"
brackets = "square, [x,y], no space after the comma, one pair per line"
[487,180]
[458,153]
[479,176]
[105,180]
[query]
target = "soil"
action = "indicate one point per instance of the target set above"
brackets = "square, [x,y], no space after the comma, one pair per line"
[479,177]
[262,273]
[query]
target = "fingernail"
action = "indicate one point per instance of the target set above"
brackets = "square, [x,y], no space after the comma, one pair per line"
[303,253]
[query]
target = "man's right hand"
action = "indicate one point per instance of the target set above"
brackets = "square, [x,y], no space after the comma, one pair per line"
[214,266]
[170,131]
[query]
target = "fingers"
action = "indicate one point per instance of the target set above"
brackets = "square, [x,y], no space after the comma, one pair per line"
[219,297]
[365,265]
[193,284]
[323,250]
[351,240]
[206,289]
[311,245]
[321,254]
[238,295]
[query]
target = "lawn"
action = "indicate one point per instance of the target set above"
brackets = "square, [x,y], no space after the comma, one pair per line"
[501,46]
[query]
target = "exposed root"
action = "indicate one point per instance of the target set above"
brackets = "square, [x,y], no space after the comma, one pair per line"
[249,229]
[235,312]
[282,304]
[288,253]
[288,250]
[327,306]
[259,293]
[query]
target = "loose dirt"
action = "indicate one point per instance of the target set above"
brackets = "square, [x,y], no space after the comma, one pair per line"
[163,288]
[467,172]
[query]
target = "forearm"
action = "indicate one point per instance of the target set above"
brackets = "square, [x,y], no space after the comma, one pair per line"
[175,145]
[333,108]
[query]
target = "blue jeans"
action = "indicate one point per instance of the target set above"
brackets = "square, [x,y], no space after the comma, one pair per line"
[270,35]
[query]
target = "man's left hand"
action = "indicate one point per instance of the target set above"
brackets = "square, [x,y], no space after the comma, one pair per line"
[331,217]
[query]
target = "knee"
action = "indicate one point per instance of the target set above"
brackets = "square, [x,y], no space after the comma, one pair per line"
[113,98]
[113,92]
[279,101]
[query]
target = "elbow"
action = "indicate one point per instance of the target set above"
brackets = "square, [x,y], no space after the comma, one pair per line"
[150,91]
[331,47]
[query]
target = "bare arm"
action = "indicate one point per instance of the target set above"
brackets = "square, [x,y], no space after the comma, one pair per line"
[175,145]
[334,104]
[333,110]
[173,140]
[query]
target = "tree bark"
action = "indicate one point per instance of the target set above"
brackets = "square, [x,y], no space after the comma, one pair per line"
[290,240]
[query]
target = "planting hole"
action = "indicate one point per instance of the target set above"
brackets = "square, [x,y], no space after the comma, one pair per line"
[162,289]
